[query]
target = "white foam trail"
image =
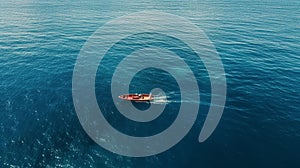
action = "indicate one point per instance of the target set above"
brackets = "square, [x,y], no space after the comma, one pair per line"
[160,99]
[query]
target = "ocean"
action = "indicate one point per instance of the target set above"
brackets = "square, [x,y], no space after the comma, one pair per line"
[257,41]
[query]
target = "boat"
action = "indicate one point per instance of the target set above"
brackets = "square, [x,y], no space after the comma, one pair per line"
[137,97]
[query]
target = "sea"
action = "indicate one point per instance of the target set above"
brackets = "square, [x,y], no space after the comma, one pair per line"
[258,42]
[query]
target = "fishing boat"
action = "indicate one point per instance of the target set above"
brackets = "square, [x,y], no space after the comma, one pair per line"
[137,97]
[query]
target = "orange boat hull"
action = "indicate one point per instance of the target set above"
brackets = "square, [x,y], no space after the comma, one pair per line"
[137,97]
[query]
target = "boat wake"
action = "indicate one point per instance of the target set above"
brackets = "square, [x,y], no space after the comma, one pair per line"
[160,99]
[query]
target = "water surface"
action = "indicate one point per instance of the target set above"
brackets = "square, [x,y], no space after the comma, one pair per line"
[258,42]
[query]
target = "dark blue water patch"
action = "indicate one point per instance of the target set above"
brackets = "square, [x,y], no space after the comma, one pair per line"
[126,46]
[142,106]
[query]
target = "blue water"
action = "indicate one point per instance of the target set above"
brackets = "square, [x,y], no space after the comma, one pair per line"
[258,41]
